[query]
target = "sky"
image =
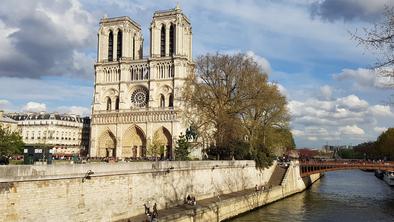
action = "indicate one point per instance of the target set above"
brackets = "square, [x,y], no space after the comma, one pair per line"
[48,48]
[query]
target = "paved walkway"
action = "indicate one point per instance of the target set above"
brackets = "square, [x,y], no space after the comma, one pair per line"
[170,214]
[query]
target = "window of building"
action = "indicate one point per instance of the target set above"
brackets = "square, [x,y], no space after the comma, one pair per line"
[163,41]
[117,103]
[108,103]
[162,101]
[133,48]
[119,45]
[171,101]
[172,39]
[110,46]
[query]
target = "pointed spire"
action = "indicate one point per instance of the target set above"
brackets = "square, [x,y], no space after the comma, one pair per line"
[177,6]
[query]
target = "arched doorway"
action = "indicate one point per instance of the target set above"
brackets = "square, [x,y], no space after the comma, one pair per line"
[134,143]
[163,140]
[107,144]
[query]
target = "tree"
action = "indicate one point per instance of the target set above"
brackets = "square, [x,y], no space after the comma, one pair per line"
[154,149]
[182,150]
[230,98]
[380,39]
[385,144]
[10,142]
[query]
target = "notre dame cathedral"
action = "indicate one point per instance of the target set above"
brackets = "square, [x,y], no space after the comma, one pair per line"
[137,99]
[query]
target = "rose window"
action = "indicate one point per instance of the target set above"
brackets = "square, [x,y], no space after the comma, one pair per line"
[139,97]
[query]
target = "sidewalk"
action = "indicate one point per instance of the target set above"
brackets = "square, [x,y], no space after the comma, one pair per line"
[174,213]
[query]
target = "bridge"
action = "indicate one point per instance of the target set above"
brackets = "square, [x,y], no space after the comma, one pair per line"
[311,167]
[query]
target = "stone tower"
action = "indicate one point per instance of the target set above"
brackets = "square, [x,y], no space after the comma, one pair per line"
[136,107]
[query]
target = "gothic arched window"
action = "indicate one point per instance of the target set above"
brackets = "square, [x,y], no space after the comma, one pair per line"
[119,45]
[108,103]
[162,101]
[117,103]
[172,39]
[133,47]
[171,101]
[163,41]
[110,46]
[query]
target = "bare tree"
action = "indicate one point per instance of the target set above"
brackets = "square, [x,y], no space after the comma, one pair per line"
[380,40]
[229,97]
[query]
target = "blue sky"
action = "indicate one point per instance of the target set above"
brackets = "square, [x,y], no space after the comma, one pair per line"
[48,49]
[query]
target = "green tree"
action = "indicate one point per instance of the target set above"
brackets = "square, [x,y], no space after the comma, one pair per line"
[154,149]
[385,144]
[182,150]
[10,142]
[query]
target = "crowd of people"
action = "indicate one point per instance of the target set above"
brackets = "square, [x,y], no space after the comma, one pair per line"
[190,200]
[262,187]
[151,212]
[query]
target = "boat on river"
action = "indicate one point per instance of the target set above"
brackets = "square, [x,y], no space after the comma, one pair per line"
[388,176]
[379,174]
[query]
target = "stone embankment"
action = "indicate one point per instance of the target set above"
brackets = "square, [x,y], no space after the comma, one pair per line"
[118,191]
[233,204]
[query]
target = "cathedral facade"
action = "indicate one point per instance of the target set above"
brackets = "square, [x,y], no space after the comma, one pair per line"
[137,102]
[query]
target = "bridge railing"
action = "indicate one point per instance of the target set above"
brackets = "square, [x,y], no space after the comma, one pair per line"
[311,167]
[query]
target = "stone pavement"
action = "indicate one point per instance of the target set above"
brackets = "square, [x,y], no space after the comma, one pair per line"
[174,213]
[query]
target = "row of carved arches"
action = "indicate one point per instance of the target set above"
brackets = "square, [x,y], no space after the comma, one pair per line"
[111,75]
[165,70]
[139,72]
[134,144]
[109,106]
[163,100]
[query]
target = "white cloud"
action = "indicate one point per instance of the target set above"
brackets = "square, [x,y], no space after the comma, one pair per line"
[381,110]
[263,62]
[343,120]
[351,130]
[312,138]
[379,129]
[296,132]
[326,91]
[62,26]
[4,102]
[365,78]
[34,107]
[282,89]
[352,102]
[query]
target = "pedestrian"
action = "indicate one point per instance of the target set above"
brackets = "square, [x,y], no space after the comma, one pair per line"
[155,214]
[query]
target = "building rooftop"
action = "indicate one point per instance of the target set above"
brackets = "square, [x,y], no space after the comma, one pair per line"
[173,11]
[6,119]
[119,19]
[44,116]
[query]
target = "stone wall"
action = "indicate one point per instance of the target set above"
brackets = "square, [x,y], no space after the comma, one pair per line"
[115,191]
[239,204]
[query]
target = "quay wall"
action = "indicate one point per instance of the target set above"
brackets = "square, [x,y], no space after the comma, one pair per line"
[229,208]
[119,190]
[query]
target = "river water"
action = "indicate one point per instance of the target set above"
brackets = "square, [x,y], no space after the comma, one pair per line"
[338,196]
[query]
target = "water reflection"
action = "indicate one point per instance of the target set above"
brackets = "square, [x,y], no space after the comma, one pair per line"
[339,196]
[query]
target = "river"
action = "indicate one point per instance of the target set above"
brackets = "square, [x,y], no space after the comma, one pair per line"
[339,196]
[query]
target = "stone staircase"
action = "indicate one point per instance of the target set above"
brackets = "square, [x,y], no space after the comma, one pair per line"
[277,176]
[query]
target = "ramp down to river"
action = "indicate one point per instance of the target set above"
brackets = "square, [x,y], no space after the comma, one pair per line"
[284,181]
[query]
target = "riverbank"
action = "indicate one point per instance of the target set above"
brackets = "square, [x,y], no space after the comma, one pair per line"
[348,195]
[230,205]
